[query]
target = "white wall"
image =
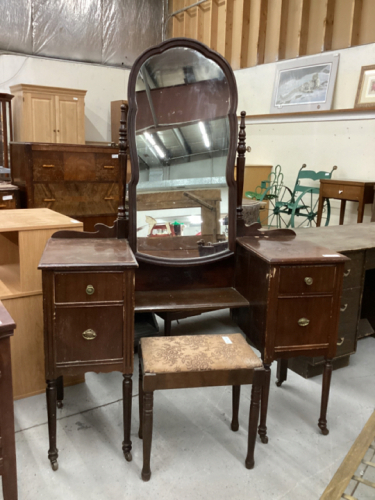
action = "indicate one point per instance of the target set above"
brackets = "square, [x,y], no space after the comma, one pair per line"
[103,84]
[348,144]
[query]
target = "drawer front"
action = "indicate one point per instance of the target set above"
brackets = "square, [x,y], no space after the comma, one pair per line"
[353,270]
[88,287]
[79,167]
[102,327]
[107,168]
[48,166]
[341,192]
[317,310]
[7,200]
[348,323]
[307,279]
[78,198]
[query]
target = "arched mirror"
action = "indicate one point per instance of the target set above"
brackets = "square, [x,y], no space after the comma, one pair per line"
[182,136]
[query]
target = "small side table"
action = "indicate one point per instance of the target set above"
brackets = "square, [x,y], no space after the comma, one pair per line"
[8,446]
[346,190]
[88,302]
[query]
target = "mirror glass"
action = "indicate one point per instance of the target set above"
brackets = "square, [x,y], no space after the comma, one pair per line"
[182,140]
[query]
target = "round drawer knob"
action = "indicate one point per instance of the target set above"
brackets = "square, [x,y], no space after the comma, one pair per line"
[90,289]
[89,334]
[309,281]
[303,322]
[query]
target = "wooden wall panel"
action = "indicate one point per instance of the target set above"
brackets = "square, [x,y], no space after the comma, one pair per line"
[293,28]
[342,24]
[273,30]
[367,29]
[190,21]
[204,17]
[178,20]
[316,26]
[238,26]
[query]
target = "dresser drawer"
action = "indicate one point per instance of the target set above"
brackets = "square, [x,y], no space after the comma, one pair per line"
[353,270]
[48,166]
[341,192]
[88,287]
[88,333]
[107,168]
[78,198]
[348,324]
[316,310]
[307,279]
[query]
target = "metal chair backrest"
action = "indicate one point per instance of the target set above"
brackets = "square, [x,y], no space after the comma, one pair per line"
[311,175]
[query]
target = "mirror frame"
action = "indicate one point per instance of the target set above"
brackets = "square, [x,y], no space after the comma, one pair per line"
[233,128]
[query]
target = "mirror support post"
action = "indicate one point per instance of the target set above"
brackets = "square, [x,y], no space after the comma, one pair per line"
[241,150]
[122,217]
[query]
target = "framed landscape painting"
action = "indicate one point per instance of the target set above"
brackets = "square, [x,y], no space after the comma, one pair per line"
[365,97]
[305,84]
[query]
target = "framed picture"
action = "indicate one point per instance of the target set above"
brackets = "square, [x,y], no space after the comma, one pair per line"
[305,84]
[365,97]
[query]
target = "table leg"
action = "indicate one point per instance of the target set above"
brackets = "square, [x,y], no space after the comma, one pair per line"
[325,394]
[262,431]
[361,209]
[236,390]
[253,422]
[60,391]
[51,393]
[148,403]
[7,424]
[342,212]
[167,325]
[320,210]
[127,389]
[140,396]
[282,371]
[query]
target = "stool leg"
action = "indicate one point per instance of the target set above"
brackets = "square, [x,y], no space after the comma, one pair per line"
[140,399]
[253,423]
[148,402]
[262,431]
[60,391]
[127,388]
[236,390]
[51,393]
[325,394]
[282,371]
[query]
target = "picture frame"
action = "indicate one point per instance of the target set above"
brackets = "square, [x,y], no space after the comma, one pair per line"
[305,84]
[365,97]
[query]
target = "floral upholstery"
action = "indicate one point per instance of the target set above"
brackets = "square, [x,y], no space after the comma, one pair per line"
[188,353]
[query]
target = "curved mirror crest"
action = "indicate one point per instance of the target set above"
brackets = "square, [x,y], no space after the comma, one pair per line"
[182,139]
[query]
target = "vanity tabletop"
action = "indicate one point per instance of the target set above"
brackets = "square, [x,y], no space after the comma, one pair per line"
[81,254]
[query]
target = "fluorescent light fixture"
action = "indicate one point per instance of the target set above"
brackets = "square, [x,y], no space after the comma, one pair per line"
[195,219]
[204,135]
[151,140]
[159,151]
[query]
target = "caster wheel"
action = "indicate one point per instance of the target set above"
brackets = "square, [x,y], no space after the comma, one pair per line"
[59,404]
[128,456]
[54,465]
[264,439]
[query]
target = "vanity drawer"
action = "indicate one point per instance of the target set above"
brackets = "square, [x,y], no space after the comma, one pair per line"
[291,315]
[339,192]
[83,333]
[48,166]
[348,323]
[88,287]
[307,279]
[353,270]
[107,168]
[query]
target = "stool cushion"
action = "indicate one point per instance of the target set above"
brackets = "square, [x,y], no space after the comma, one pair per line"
[187,353]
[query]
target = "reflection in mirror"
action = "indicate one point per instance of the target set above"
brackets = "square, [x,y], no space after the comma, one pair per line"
[182,140]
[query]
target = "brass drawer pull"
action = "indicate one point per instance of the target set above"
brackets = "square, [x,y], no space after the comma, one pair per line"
[341,341]
[3,206]
[303,322]
[343,308]
[48,166]
[90,289]
[89,334]
[109,198]
[347,273]
[108,166]
[309,281]
[49,199]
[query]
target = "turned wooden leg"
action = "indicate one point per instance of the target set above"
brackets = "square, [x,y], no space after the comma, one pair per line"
[325,394]
[60,391]
[282,371]
[320,211]
[235,407]
[9,472]
[361,209]
[127,389]
[262,431]
[167,325]
[51,393]
[342,212]
[253,423]
[140,397]
[148,401]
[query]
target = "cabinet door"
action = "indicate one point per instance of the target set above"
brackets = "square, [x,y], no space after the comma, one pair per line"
[70,113]
[40,119]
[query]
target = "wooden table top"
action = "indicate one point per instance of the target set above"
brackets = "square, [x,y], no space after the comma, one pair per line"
[340,182]
[81,254]
[35,218]
[342,238]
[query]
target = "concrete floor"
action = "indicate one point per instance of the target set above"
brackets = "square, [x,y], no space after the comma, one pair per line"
[195,455]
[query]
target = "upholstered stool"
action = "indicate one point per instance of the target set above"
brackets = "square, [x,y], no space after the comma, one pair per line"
[197,361]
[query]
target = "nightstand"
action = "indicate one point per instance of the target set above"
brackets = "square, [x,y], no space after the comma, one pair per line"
[88,302]
[294,291]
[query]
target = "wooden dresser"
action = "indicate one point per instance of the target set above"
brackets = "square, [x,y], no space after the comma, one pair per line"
[79,181]
[48,114]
